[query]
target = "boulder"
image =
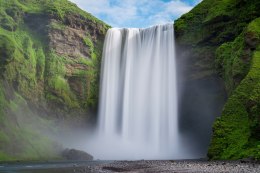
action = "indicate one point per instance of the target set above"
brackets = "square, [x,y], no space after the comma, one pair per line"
[73,154]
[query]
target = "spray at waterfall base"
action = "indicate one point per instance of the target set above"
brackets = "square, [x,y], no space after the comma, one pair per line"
[138,96]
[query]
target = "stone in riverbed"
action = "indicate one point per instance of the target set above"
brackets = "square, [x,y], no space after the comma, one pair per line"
[73,154]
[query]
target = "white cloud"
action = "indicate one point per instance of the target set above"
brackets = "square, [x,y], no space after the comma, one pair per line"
[169,11]
[134,13]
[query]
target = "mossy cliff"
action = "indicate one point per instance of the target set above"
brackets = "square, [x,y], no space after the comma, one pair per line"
[223,38]
[50,53]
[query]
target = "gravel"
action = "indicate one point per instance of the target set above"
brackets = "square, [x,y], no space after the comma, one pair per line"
[173,166]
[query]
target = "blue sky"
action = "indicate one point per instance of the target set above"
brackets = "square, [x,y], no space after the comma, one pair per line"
[136,13]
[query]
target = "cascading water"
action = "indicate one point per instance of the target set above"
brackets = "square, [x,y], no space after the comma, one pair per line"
[138,100]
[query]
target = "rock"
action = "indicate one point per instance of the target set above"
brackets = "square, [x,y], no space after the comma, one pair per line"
[247,160]
[251,40]
[73,154]
[69,41]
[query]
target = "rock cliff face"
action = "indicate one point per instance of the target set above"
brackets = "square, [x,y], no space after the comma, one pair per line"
[50,53]
[221,43]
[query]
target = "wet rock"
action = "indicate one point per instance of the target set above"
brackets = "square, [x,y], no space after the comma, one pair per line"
[73,154]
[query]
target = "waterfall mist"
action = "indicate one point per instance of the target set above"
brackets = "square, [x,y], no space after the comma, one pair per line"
[142,112]
[138,97]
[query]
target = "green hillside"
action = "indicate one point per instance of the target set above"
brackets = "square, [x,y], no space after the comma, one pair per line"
[45,85]
[224,36]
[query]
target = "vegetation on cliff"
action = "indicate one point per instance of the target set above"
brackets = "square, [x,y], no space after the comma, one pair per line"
[236,132]
[227,31]
[50,53]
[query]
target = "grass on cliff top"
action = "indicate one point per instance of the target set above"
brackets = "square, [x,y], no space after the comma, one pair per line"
[12,10]
[214,22]
[29,59]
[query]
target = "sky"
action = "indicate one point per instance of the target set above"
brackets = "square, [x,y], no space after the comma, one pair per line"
[136,13]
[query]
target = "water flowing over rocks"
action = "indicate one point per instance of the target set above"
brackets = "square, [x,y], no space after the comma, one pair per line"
[138,101]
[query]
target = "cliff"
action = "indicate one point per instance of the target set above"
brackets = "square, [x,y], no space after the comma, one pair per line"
[223,43]
[50,54]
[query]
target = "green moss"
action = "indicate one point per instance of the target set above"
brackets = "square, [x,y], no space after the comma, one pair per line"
[7,50]
[59,9]
[2,104]
[58,89]
[252,31]
[36,146]
[40,67]
[93,76]
[29,69]
[55,65]
[57,26]
[32,75]
[236,24]
[91,46]
[4,139]
[4,156]
[85,61]
[6,21]
[20,135]
[26,61]
[235,133]
[231,63]
[61,88]
[221,8]
[215,22]
[89,43]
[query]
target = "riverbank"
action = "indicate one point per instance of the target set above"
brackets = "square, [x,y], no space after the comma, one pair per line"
[188,166]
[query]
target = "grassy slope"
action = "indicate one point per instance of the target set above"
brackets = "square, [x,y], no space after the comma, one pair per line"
[33,75]
[214,22]
[236,133]
[229,30]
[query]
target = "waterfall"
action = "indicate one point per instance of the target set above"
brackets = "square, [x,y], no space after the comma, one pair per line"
[138,95]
